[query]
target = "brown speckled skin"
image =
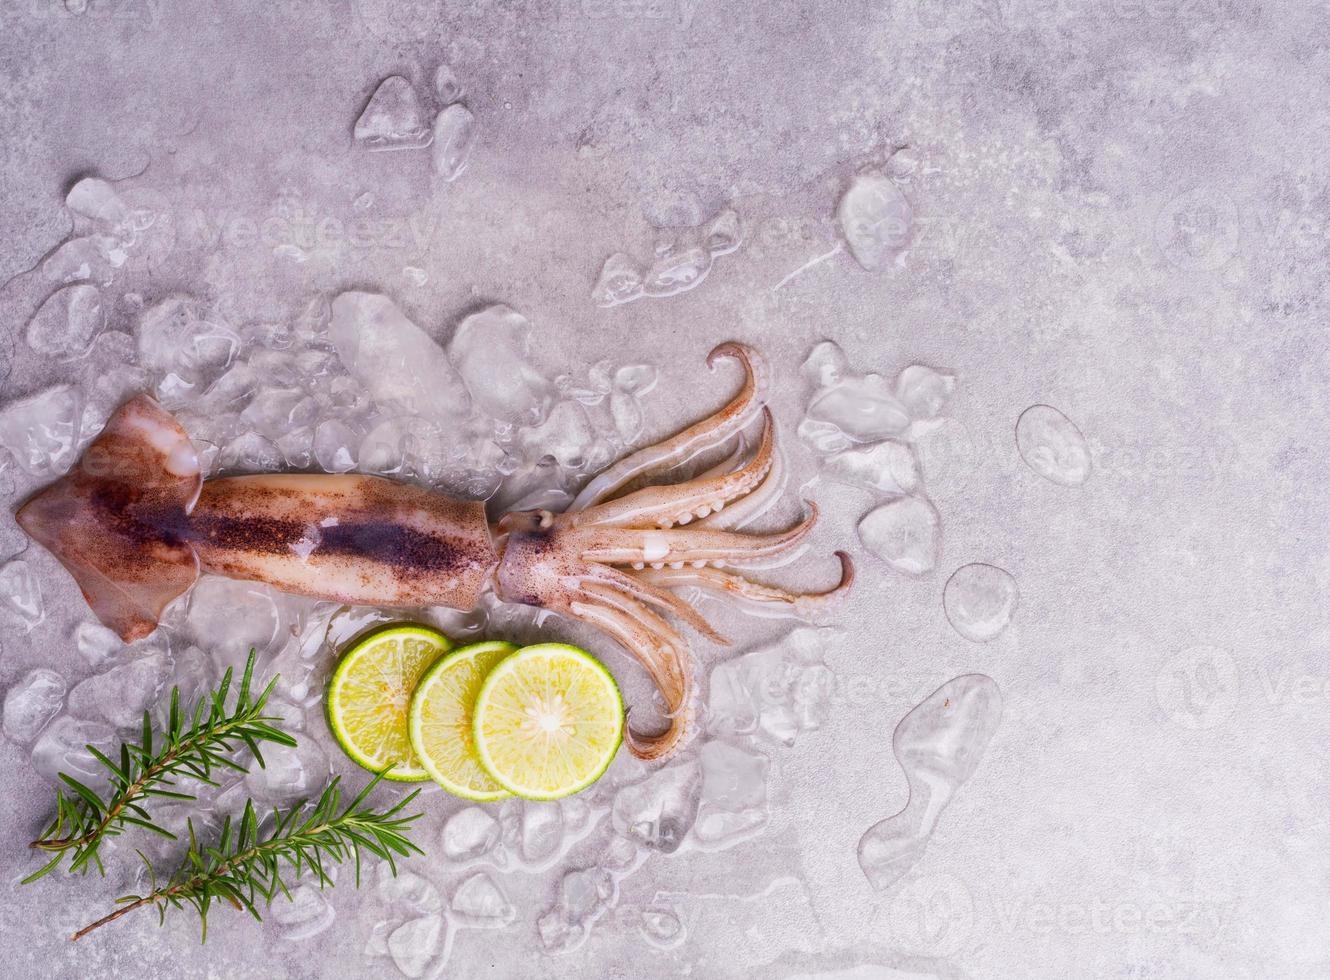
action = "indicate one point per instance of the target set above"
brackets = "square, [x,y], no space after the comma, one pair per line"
[354,538]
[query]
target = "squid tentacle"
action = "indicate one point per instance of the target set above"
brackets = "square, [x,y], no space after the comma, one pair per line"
[680,503]
[755,597]
[632,546]
[601,577]
[695,439]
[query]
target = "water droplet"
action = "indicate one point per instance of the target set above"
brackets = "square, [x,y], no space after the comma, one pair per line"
[979,601]
[939,745]
[1052,446]
[905,533]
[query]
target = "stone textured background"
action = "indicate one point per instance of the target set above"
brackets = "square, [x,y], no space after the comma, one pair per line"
[1121,210]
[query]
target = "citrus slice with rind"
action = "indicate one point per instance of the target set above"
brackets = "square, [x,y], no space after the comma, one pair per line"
[370,695]
[548,721]
[441,724]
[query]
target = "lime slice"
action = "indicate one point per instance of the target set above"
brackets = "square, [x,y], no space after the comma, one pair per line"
[370,695]
[548,720]
[440,720]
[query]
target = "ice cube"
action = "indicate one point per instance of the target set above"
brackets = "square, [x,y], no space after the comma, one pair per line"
[905,533]
[34,700]
[723,233]
[305,915]
[228,617]
[41,431]
[397,362]
[864,408]
[480,903]
[661,927]
[96,200]
[584,896]
[121,695]
[826,365]
[415,945]
[924,390]
[250,453]
[408,893]
[276,411]
[733,806]
[491,351]
[454,136]
[92,258]
[392,119]
[68,322]
[446,86]
[533,831]
[21,595]
[659,811]
[175,337]
[677,270]
[626,411]
[96,643]
[780,690]
[62,747]
[289,774]
[636,379]
[876,220]
[335,446]
[888,467]
[566,435]
[469,834]
[621,281]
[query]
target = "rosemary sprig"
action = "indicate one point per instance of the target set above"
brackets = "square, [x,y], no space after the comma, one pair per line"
[192,745]
[247,864]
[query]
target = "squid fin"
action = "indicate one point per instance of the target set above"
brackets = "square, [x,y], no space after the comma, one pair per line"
[118,520]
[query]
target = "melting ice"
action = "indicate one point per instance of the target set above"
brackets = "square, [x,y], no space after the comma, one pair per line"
[939,745]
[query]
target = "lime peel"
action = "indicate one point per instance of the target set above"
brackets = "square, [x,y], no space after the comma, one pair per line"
[441,720]
[548,721]
[370,694]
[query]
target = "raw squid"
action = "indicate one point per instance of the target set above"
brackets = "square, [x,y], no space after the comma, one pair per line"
[135,523]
